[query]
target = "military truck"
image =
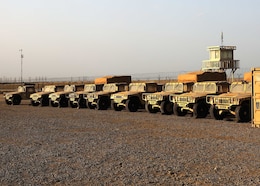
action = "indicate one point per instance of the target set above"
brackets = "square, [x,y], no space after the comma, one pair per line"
[132,100]
[23,93]
[61,98]
[100,100]
[195,101]
[237,102]
[159,101]
[78,99]
[42,98]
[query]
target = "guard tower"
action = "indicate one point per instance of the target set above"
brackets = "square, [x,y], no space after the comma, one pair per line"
[221,58]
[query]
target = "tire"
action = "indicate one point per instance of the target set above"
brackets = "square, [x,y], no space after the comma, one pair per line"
[54,104]
[16,100]
[82,103]
[90,106]
[115,107]
[214,113]
[166,107]
[73,105]
[132,105]
[44,101]
[149,108]
[102,104]
[200,110]
[177,110]
[8,102]
[63,102]
[243,113]
[35,104]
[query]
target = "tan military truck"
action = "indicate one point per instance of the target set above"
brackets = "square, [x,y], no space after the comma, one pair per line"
[237,102]
[159,101]
[23,93]
[42,98]
[195,102]
[78,99]
[132,99]
[100,100]
[61,98]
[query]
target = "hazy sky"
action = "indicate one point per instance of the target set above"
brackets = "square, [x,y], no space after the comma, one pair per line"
[64,38]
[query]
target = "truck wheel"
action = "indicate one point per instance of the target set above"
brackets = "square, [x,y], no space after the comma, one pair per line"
[200,110]
[89,105]
[214,113]
[150,109]
[63,102]
[73,105]
[8,102]
[243,113]
[54,104]
[35,103]
[132,105]
[102,104]
[82,103]
[167,107]
[115,107]
[16,100]
[177,110]
[44,101]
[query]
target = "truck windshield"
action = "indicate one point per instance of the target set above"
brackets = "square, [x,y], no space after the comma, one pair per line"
[237,87]
[210,87]
[110,88]
[49,89]
[68,88]
[198,87]
[137,87]
[89,88]
[249,88]
[177,87]
[21,89]
[204,87]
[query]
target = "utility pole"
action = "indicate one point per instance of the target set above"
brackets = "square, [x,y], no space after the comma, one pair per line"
[21,50]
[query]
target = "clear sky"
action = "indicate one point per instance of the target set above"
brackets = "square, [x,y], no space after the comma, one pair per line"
[68,38]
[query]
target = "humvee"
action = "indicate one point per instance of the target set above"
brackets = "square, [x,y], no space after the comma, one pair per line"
[159,101]
[195,101]
[78,99]
[60,99]
[132,99]
[101,100]
[42,98]
[236,102]
[23,93]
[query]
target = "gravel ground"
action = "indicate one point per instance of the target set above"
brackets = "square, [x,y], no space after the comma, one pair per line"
[65,146]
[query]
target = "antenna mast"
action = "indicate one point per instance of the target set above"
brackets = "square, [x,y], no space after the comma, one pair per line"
[222,38]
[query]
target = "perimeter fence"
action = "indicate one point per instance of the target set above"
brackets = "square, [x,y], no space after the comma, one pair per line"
[164,76]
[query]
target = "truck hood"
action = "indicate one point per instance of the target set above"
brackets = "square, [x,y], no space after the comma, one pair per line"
[234,95]
[194,94]
[40,93]
[127,93]
[10,93]
[83,92]
[62,92]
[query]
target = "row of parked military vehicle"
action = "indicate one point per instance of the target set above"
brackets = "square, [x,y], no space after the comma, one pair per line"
[220,99]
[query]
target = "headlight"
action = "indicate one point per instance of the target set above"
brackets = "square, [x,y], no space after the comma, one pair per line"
[73,95]
[191,99]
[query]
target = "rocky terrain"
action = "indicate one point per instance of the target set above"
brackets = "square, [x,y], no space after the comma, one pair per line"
[65,146]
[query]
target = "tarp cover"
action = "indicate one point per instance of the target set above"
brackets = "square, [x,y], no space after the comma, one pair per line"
[113,79]
[199,76]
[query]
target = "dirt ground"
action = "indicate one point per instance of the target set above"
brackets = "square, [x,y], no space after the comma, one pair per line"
[65,146]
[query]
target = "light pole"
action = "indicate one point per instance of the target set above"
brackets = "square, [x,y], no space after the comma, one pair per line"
[21,50]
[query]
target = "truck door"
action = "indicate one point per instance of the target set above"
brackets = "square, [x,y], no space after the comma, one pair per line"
[256,97]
